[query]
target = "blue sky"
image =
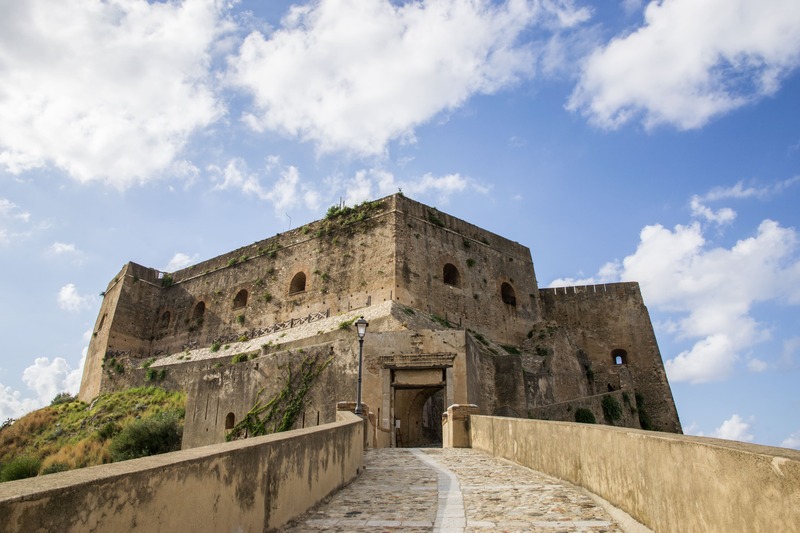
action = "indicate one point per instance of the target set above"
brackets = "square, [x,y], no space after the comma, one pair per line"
[656,142]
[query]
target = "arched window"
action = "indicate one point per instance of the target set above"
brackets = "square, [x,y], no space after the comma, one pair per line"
[165,316]
[230,421]
[508,295]
[298,283]
[199,311]
[240,300]
[451,276]
[619,357]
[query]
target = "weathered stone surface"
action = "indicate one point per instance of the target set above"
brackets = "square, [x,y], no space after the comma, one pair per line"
[455,314]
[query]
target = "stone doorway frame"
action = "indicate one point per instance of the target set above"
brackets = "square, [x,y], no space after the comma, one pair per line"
[406,364]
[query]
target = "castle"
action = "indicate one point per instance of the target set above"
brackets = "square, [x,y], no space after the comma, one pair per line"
[455,317]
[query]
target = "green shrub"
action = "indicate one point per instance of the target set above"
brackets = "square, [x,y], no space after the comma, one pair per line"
[20,467]
[470,262]
[215,346]
[347,323]
[240,319]
[159,433]
[148,362]
[584,416]
[612,410]
[62,397]
[239,358]
[108,430]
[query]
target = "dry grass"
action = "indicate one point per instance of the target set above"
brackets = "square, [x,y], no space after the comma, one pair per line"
[70,435]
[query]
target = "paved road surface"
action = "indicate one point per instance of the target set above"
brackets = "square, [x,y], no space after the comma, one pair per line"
[454,490]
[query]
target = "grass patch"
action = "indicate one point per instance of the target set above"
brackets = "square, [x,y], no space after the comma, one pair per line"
[74,435]
[239,358]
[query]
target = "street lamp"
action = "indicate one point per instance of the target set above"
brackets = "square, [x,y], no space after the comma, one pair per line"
[361,329]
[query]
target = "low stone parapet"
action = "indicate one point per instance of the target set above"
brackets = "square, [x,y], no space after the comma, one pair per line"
[256,484]
[667,482]
[455,425]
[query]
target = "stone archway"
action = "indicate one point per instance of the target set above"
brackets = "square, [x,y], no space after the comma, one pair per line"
[419,413]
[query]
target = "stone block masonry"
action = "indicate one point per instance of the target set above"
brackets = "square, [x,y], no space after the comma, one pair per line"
[456,317]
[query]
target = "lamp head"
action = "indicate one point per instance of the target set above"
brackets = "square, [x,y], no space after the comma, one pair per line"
[361,327]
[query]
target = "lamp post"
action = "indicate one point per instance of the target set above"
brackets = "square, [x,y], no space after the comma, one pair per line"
[361,329]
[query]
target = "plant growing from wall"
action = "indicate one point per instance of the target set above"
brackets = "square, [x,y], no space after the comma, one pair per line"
[280,412]
[584,416]
[644,416]
[166,281]
[612,410]
[513,350]
[239,358]
[215,346]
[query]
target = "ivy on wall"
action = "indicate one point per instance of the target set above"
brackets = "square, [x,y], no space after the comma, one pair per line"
[280,412]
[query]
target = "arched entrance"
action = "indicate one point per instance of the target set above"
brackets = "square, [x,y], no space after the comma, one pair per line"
[419,413]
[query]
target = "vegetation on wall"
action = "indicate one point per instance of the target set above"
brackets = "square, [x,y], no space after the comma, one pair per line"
[342,217]
[612,410]
[70,434]
[279,413]
[644,416]
[584,416]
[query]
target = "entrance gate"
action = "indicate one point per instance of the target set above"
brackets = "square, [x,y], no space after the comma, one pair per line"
[416,387]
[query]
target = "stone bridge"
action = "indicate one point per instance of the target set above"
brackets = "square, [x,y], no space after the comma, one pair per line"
[493,472]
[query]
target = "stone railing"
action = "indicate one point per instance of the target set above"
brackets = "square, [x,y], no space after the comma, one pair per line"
[665,481]
[256,484]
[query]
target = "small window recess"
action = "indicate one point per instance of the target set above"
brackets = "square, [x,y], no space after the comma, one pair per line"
[240,300]
[451,275]
[298,283]
[508,295]
[619,357]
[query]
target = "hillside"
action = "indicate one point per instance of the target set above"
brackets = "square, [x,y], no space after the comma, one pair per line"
[70,434]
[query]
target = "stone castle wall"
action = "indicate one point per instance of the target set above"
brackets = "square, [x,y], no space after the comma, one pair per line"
[423,276]
[603,322]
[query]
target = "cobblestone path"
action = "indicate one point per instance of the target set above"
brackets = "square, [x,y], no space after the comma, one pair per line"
[454,490]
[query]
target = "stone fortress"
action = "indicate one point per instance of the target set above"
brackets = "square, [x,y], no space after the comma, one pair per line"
[455,317]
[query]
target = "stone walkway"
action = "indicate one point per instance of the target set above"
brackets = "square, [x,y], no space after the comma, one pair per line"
[454,490]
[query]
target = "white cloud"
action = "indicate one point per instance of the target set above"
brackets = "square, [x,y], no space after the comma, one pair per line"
[792,441]
[790,348]
[286,192]
[757,365]
[691,61]
[58,248]
[734,428]
[711,290]
[105,90]
[12,216]
[45,379]
[739,190]
[13,404]
[351,75]
[721,216]
[180,260]
[375,183]
[70,300]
